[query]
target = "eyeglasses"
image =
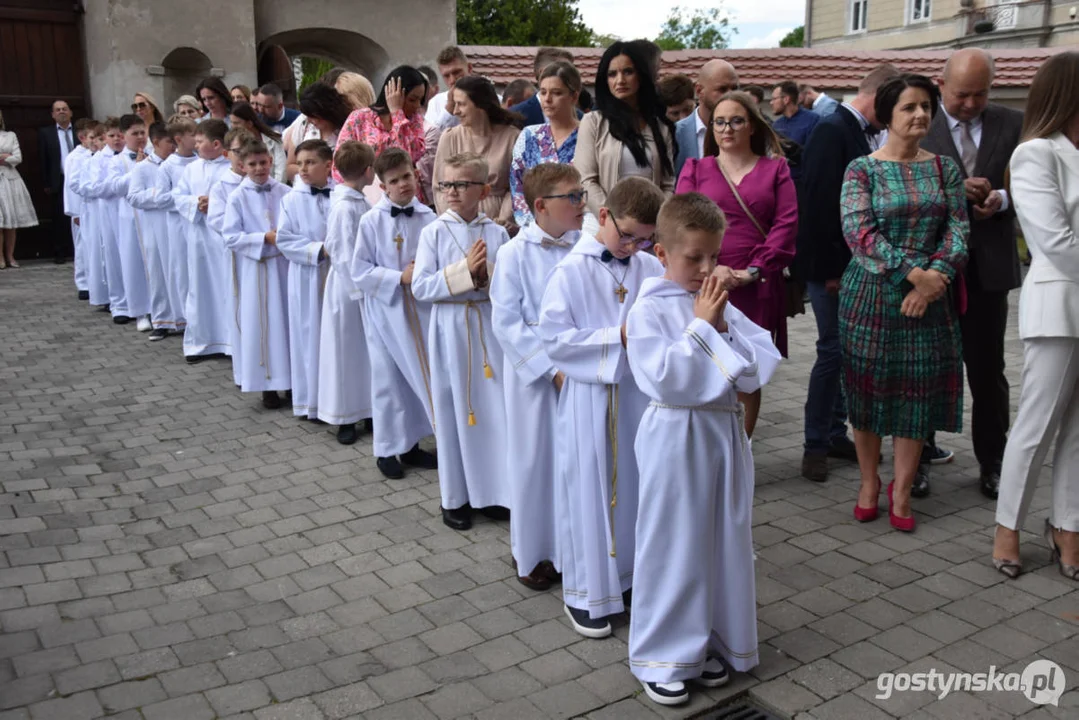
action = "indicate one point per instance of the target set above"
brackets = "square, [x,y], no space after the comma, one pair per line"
[578,197]
[639,243]
[235,150]
[735,123]
[458,186]
[139,106]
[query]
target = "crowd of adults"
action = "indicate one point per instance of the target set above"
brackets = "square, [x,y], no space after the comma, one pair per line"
[891,211]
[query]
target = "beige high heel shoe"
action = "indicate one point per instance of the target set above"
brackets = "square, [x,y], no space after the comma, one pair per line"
[1069,571]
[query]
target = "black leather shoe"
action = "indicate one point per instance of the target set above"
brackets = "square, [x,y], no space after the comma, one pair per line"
[815,467]
[627,599]
[390,467]
[103,308]
[842,448]
[270,399]
[458,518]
[990,482]
[367,426]
[496,513]
[84,294]
[920,488]
[420,459]
[346,434]
[121,319]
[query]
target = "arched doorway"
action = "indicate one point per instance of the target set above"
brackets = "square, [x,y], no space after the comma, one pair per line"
[345,48]
[275,67]
[185,67]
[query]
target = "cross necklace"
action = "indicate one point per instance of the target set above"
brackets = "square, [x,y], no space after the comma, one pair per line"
[620,291]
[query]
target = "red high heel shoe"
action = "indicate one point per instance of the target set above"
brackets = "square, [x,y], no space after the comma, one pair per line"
[862,514]
[903,524]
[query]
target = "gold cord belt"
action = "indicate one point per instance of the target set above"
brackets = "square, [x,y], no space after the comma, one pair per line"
[612,434]
[738,409]
[416,330]
[471,305]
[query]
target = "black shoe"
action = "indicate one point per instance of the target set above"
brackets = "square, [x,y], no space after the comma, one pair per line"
[674,693]
[390,467]
[346,434]
[496,513]
[990,482]
[933,455]
[158,334]
[458,518]
[368,425]
[815,467]
[842,448]
[122,319]
[420,459]
[587,625]
[270,399]
[84,294]
[920,488]
[627,599]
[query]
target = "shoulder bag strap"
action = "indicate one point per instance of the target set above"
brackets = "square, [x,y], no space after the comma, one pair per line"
[738,197]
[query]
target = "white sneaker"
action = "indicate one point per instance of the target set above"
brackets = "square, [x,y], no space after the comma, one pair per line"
[666,693]
[144,324]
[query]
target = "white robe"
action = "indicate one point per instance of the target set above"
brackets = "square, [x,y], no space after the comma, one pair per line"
[130,237]
[580,322]
[466,362]
[215,216]
[73,165]
[263,282]
[396,326]
[90,220]
[209,276]
[148,195]
[301,237]
[528,384]
[101,186]
[344,368]
[176,260]
[695,591]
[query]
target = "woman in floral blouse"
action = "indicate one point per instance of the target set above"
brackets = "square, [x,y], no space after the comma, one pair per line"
[396,118]
[555,141]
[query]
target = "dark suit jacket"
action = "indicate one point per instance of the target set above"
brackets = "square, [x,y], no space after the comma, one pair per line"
[48,149]
[994,258]
[835,141]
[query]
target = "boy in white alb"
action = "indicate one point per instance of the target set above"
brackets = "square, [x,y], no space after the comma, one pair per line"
[73,164]
[454,264]
[251,219]
[530,380]
[692,353]
[209,274]
[235,139]
[105,269]
[301,238]
[344,368]
[582,322]
[395,323]
[129,232]
[182,131]
[90,214]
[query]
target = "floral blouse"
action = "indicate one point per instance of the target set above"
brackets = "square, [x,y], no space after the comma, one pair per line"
[535,146]
[366,126]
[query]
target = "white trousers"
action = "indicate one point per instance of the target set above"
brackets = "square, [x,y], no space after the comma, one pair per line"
[81,282]
[1048,410]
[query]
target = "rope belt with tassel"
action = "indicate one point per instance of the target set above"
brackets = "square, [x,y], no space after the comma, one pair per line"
[470,306]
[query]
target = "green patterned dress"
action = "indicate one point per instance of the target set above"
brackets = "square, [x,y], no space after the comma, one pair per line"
[903,376]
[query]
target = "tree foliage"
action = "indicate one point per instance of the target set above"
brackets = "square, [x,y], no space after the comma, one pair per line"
[521,22]
[311,69]
[796,38]
[699,29]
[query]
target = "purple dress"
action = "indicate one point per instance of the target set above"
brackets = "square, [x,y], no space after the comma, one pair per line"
[769,192]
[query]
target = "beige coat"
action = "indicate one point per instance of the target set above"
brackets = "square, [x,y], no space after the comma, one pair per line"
[497,147]
[599,160]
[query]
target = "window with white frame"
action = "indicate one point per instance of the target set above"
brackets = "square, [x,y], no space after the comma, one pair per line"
[920,10]
[858,10]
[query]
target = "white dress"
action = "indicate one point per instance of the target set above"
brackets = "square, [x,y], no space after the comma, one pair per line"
[16,208]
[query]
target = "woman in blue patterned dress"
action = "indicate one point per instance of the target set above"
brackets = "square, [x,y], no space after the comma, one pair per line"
[553,142]
[905,220]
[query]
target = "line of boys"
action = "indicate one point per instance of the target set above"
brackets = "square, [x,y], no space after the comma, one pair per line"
[583,362]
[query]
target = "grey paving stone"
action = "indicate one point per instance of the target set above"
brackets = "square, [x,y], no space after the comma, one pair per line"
[147,663]
[300,682]
[238,697]
[133,694]
[82,706]
[783,696]
[303,709]
[350,701]
[87,677]
[401,684]
[188,707]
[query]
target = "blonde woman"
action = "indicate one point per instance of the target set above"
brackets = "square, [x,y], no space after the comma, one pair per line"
[16,208]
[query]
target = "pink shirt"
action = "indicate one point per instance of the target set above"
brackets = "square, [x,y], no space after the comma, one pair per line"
[366,126]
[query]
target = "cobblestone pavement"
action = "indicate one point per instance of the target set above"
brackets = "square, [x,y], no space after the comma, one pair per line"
[172,550]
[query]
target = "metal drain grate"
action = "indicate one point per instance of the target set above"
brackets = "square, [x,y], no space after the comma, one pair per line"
[741,711]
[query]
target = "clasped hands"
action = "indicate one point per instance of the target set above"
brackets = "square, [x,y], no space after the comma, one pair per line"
[985,200]
[929,286]
[477,263]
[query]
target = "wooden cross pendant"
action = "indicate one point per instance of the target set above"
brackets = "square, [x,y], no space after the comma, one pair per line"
[621,292]
[400,241]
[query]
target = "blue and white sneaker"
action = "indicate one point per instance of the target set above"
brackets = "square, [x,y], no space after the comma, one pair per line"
[666,693]
[586,625]
[715,674]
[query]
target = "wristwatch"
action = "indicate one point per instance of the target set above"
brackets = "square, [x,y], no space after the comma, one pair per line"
[754,272]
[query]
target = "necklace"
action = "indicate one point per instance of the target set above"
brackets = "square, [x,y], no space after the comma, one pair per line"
[620,291]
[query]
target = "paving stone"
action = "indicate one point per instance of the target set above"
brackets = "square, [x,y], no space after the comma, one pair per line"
[146,663]
[238,697]
[783,696]
[83,706]
[566,700]
[344,702]
[825,678]
[303,709]
[87,677]
[401,684]
[296,683]
[133,694]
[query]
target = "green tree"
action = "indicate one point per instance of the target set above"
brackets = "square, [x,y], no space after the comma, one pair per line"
[311,69]
[795,38]
[521,22]
[698,29]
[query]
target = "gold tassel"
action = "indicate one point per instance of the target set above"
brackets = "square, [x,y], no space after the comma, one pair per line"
[471,418]
[487,372]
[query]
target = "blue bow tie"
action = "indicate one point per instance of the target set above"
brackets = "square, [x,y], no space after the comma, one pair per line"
[407,212]
[324,192]
[132,155]
[264,187]
[606,256]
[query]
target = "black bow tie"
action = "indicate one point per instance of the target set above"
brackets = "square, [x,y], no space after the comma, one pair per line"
[264,187]
[132,155]
[407,212]
[324,192]
[606,256]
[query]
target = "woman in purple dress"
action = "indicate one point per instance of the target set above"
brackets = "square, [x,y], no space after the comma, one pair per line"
[744,172]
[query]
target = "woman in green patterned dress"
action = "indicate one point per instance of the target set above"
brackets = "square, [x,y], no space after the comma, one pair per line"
[905,220]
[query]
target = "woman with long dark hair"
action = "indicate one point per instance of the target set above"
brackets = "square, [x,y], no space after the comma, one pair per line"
[215,98]
[487,129]
[244,116]
[628,132]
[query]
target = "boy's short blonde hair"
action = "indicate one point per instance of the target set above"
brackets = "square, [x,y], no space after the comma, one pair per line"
[238,133]
[180,125]
[253,147]
[690,211]
[544,178]
[637,198]
[475,165]
[352,159]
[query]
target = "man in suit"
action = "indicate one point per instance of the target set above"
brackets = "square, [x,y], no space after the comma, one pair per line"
[816,101]
[715,79]
[54,142]
[981,138]
[850,132]
[272,101]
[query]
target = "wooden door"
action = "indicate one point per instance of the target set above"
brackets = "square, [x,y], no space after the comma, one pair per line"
[41,60]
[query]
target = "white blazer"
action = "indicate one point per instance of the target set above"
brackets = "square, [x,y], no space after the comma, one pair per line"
[1045,190]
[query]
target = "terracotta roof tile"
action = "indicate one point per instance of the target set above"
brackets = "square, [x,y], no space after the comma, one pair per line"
[824,69]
